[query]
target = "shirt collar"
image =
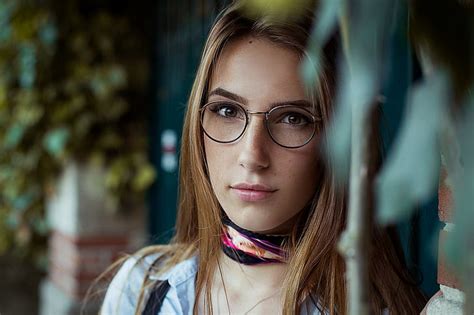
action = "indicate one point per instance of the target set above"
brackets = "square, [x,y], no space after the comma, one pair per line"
[180,273]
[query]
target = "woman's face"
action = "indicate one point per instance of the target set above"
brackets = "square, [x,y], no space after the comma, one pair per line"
[260,185]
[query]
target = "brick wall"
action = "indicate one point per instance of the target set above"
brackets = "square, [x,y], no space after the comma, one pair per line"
[87,237]
[450,298]
[76,262]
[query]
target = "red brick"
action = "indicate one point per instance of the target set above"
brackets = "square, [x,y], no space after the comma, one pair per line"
[445,205]
[445,275]
[76,263]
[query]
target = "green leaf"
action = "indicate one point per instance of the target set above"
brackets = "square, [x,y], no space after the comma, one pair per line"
[41,225]
[106,80]
[338,147]
[28,114]
[14,135]
[410,175]
[13,220]
[368,27]
[26,198]
[3,96]
[55,141]
[116,76]
[27,57]
[326,22]
[144,178]
[48,33]
[11,191]
[117,173]
[6,172]
[22,202]
[6,12]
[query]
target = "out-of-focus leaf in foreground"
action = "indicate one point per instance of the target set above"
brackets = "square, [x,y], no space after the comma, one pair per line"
[326,23]
[408,179]
[369,25]
[276,9]
[55,141]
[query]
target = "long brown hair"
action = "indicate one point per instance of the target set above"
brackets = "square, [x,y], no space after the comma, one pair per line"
[315,268]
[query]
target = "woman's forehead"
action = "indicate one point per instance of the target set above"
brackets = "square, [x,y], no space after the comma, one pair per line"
[256,69]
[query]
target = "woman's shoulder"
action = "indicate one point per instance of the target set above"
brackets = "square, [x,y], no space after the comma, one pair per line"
[127,286]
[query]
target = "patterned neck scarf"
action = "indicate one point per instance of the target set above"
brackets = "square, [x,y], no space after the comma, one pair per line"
[250,248]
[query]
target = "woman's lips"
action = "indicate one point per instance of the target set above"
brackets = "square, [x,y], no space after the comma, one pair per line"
[252,192]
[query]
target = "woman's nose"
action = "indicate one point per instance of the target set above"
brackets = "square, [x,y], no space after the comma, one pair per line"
[254,154]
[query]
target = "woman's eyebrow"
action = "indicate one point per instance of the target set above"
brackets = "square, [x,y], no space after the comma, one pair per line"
[244,101]
[302,103]
[229,95]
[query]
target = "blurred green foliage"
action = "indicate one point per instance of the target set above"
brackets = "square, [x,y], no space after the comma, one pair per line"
[72,87]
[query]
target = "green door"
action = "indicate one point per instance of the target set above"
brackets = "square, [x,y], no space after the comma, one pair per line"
[182,27]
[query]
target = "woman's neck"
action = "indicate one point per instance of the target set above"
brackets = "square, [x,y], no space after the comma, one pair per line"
[262,279]
[246,289]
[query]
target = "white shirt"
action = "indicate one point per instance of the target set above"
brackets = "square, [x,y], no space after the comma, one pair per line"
[123,292]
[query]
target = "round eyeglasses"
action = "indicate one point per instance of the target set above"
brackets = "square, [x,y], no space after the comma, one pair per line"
[289,126]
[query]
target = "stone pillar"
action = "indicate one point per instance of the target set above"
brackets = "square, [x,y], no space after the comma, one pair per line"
[88,234]
[450,299]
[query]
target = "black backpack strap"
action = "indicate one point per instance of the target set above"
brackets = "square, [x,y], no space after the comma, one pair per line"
[156,298]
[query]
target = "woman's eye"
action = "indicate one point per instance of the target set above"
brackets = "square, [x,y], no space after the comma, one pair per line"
[294,119]
[226,110]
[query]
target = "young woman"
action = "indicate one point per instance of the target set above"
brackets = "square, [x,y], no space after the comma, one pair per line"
[259,213]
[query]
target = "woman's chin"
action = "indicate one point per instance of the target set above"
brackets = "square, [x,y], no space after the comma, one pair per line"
[263,226]
[266,226]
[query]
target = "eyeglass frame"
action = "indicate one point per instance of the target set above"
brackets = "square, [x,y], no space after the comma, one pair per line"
[266,113]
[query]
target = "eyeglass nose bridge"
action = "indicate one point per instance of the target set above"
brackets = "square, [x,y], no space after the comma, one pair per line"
[247,122]
[249,113]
